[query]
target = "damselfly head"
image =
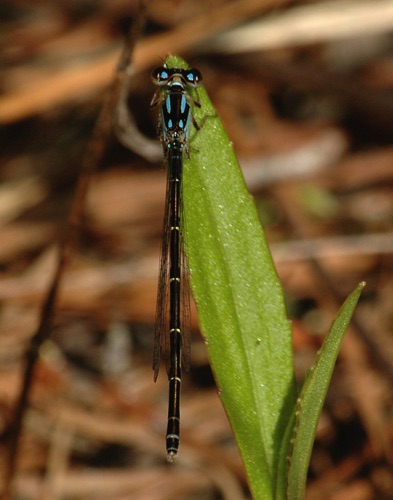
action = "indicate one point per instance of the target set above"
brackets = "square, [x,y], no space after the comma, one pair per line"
[165,76]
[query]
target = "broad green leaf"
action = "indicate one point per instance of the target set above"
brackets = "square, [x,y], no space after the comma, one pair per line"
[239,298]
[312,397]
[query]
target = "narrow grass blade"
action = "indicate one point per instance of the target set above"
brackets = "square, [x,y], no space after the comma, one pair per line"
[312,398]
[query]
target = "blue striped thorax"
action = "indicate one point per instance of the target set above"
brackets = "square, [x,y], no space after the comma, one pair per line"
[175,104]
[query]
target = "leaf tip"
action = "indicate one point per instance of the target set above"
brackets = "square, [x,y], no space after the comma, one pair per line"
[361,285]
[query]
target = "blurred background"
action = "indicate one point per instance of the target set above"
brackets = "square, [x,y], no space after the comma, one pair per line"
[305,91]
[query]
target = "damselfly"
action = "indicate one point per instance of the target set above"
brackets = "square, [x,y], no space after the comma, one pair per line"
[175,102]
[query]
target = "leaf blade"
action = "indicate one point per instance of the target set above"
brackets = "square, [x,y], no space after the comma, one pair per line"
[240,301]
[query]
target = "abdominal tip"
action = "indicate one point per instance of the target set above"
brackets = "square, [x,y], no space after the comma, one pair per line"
[171,456]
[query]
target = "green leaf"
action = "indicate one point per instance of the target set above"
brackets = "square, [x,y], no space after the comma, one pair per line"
[239,298]
[312,397]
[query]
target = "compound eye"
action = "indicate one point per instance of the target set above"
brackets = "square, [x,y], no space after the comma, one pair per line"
[160,75]
[193,77]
